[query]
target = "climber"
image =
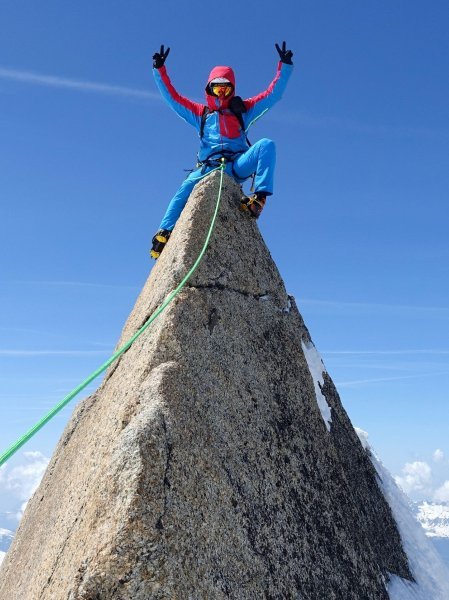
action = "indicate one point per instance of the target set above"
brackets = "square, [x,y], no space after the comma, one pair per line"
[222,125]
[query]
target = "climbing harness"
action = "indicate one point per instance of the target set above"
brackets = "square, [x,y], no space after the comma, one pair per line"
[215,159]
[9,452]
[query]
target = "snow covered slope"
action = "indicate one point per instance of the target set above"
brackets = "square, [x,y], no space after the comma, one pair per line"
[434,517]
[429,571]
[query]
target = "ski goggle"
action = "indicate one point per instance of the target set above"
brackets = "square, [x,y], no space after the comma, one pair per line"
[219,89]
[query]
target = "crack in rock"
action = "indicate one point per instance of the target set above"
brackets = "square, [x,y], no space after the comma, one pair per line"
[169,450]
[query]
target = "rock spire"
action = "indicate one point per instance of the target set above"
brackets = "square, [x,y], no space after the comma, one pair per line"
[215,460]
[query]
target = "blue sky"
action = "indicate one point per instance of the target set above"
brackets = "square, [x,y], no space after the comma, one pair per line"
[90,156]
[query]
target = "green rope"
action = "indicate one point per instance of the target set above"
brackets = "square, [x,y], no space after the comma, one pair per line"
[31,432]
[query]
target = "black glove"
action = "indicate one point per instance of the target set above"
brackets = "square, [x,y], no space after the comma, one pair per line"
[285,55]
[160,57]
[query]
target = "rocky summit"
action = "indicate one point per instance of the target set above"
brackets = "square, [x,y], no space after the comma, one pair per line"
[211,463]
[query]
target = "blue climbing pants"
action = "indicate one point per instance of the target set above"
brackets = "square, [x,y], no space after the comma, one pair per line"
[259,158]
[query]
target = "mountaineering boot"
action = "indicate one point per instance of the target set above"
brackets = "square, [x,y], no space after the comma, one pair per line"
[254,204]
[159,241]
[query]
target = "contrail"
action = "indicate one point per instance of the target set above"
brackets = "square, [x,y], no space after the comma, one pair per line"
[341,384]
[74,84]
[7,352]
[383,352]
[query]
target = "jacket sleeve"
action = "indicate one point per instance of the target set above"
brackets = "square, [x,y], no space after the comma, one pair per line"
[187,109]
[258,105]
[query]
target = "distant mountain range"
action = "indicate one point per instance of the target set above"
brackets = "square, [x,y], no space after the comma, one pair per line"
[434,517]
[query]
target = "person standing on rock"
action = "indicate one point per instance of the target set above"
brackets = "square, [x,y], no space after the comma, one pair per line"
[222,125]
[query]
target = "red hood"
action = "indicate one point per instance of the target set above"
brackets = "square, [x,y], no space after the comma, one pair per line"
[228,74]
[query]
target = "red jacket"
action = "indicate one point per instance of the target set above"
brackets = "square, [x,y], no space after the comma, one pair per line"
[222,129]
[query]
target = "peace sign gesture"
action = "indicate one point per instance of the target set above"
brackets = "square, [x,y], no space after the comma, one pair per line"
[160,57]
[285,55]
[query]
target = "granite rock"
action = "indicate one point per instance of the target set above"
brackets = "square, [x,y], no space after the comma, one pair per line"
[202,467]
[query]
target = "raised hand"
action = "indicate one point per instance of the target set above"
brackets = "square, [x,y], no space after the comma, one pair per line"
[285,55]
[159,58]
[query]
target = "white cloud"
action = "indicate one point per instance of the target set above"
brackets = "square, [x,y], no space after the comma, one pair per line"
[438,455]
[442,493]
[22,481]
[416,477]
[74,84]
